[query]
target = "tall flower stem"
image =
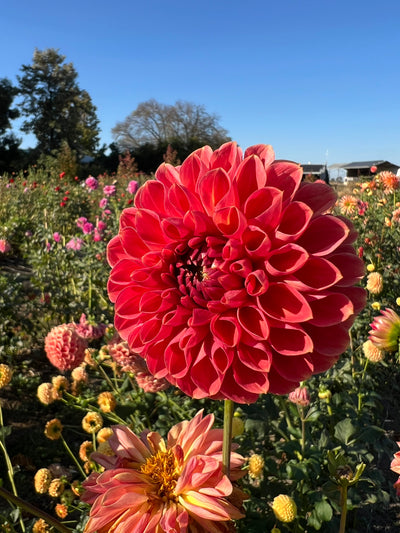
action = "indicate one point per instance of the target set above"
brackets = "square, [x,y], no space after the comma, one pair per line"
[227,439]
[343,506]
[31,509]
[69,451]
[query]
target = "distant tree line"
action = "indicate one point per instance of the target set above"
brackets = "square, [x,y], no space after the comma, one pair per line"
[63,119]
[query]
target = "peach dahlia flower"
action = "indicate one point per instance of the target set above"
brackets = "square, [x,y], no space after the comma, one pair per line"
[231,279]
[64,347]
[156,486]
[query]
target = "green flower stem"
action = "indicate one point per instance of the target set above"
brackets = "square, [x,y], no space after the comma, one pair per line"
[343,505]
[73,457]
[31,509]
[10,470]
[227,438]
[303,431]
[359,390]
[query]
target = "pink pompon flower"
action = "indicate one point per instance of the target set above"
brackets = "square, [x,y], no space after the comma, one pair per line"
[385,332]
[81,222]
[109,190]
[132,187]
[91,183]
[231,279]
[65,348]
[89,331]
[160,486]
[87,228]
[5,246]
[74,244]
[56,236]
[101,225]
[300,396]
[103,203]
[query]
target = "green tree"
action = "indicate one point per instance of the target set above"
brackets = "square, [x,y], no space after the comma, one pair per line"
[57,110]
[153,126]
[9,143]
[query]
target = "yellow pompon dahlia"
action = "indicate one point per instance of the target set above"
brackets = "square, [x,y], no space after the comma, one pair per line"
[92,422]
[284,508]
[106,401]
[256,466]
[40,526]
[103,435]
[56,488]
[161,485]
[375,283]
[60,384]
[79,375]
[85,449]
[45,393]
[5,375]
[372,352]
[42,480]
[53,429]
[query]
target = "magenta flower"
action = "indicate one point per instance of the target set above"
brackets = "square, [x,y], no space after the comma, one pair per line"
[74,244]
[132,187]
[231,279]
[91,183]
[87,228]
[101,225]
[81,221]
[56,236]
[5,246]
[103,203]
[109,190]
[156,486]
[97,235]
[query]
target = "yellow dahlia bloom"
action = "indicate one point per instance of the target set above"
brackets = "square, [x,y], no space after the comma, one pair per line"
[284,508]
[61,510]
[42,480]
[375,283]
[256,466]
[372,352]
[85,449]
[104,434]
[45,393]
[5,375]
[60,384]
[107,402]
[79,375]
[53,429]
[40,526]
[92,422]
[56,488]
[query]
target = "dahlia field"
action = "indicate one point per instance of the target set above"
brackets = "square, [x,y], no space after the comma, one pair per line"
[211,349]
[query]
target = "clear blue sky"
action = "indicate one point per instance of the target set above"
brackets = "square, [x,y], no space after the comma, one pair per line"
[319,80]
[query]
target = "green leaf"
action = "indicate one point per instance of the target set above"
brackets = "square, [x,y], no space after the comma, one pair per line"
[323,511]
[344,431]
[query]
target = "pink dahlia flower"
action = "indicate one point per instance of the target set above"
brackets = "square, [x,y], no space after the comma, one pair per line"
[109,190]
[300,396]
[91,183]
[133,186]
[5,246]
[385,332]
[89,331]
[156,486]
[74,244]
[230,278]
[65,348]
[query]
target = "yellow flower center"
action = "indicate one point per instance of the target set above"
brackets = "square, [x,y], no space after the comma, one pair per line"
[162,468]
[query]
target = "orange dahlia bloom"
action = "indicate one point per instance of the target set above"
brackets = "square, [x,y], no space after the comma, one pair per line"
[159,486]
[385,332]
[348,204]
[375,283]
[65,349]
[231,279]
[389,181]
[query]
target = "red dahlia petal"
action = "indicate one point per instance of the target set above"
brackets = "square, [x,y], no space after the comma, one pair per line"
[181,200]
[322,362]
[324,235]
[252,381]
[288,339]
[257,357]
[152,196]
[132,243]
[230,221]
[256,283]
[148,225]
[330,309]
[263,208]
[294,222]
[256,242]
[286,260]
[115,251]
[194,166]
[330,340]
[225,328]
[167,174]
[284,302]
[213,188]
[264,151]
[250,177]
[351,267]
[320,197]
[298,368]
[317,274]
[253,322]
[227,157]
[285,176]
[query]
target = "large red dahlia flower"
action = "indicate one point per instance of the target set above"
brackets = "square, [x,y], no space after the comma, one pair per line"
[231,279]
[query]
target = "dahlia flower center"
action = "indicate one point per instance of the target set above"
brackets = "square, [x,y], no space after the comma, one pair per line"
[193,270]
[162,468]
